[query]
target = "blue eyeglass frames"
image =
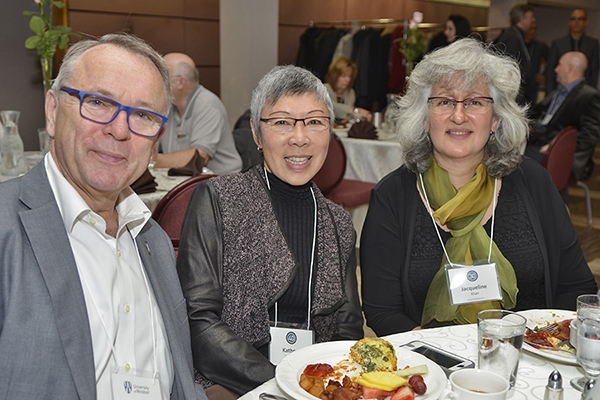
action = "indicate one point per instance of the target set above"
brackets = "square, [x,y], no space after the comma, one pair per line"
[104,110]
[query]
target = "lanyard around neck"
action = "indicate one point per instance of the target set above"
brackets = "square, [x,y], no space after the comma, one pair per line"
[312,254]
[436,227]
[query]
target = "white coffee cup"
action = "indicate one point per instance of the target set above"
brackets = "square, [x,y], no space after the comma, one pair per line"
[573,335]
[476,384]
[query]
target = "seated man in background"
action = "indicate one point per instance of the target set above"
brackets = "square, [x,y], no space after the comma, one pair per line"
[575,104]
[91,306]
[197,122]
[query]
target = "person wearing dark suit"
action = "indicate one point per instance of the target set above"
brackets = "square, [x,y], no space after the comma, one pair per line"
[512,42]
[574,103]
[576,40]
[91,305]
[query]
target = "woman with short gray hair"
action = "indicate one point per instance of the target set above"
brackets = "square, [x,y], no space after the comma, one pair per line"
[263,253]
[465,197]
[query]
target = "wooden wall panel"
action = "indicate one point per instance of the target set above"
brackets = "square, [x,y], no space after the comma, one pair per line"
[143,7]
[201,39]
[203,9]
[300,12]
[289,40]
[374,9]
[210,78]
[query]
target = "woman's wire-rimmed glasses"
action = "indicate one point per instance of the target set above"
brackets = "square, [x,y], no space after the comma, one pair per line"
[104,110]
[286,124]
[471,105]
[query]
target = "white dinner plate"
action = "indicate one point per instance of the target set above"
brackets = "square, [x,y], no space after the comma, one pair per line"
[545,317]
[291,367]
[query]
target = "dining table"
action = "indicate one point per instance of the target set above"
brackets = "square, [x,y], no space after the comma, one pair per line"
[532,377]
[369,160]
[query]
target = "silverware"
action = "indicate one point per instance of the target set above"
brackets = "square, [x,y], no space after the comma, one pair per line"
[268,396]
[563,343]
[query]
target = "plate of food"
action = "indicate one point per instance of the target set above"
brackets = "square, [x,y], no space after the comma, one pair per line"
[368,368]
[548,334]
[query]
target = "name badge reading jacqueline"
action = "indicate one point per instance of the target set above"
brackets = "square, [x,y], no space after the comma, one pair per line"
[473,284]
[285,341]
[135,387]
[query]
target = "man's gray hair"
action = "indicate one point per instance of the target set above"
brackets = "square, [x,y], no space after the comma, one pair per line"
[131,43]
[286,80]
[464,64]
[519,11]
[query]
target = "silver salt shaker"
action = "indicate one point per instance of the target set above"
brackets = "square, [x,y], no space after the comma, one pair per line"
[554,389]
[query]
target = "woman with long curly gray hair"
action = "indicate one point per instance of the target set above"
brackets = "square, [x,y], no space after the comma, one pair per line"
[465,197]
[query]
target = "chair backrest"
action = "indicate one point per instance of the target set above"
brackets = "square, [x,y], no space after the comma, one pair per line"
[170,210]
[559,158]
[244,144]
[333,170]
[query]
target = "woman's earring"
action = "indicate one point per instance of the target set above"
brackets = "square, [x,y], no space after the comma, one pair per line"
[260,149]
[492,136]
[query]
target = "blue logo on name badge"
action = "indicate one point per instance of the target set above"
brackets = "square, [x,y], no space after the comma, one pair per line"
[127,386]
[291,338]
[472,276]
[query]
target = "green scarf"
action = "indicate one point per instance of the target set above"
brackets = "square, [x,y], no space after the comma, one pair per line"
[461,211]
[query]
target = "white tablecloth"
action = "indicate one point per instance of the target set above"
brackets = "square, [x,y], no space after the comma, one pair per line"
[533,369]
[165,183]
[370,160]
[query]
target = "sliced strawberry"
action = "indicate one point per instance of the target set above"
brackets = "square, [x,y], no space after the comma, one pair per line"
[404,393]
[372,393]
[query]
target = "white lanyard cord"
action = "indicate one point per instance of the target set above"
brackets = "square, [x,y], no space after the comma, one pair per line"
[110,340]
[152,317]
[435,225]
[312,256]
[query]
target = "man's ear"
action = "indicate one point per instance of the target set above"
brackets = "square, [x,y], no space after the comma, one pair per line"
[51,108]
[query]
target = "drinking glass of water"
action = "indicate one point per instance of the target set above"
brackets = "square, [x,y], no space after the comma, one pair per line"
[500,337]
[588,351]
[588,307]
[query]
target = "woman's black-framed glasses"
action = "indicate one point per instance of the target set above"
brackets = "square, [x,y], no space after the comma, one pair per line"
[472,105]
[104,110]
[286,124]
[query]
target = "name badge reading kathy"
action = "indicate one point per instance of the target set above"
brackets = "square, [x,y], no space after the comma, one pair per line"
[473,284]
[135,387]
[285,341]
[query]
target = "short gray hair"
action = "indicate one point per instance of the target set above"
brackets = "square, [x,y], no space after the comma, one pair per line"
[132,43]
[464,64]
[286,80]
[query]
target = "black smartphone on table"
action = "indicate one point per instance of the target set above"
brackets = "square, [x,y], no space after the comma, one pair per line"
[449,362]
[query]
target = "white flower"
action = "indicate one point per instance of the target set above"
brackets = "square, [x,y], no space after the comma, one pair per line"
[37,1]
[417,17]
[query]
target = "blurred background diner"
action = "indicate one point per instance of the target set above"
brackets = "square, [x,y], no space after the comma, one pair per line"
[456,27]
[339,83]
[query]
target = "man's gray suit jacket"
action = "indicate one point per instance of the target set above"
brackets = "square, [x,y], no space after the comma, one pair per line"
[45,341]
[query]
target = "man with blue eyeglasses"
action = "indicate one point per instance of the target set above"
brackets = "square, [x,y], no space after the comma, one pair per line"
[90,301]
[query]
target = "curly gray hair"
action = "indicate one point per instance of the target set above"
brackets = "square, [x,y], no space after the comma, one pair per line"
[286,80]
[464,64]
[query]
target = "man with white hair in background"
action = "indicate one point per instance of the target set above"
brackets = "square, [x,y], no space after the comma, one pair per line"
[574,103]
[198,122]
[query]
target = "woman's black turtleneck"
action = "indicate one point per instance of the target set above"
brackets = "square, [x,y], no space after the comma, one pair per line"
[295,210]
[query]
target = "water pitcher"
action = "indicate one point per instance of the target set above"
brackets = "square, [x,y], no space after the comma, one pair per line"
[12,157]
